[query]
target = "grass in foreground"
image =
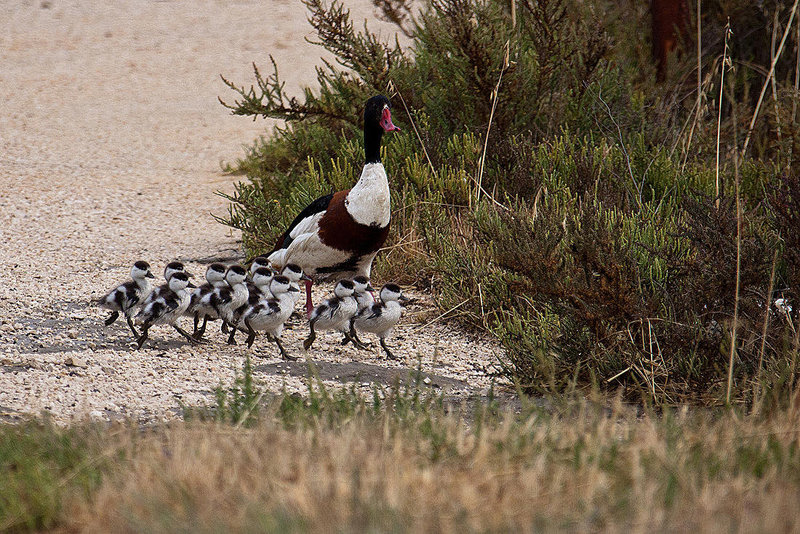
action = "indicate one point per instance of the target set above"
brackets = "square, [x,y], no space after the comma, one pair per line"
[401,462]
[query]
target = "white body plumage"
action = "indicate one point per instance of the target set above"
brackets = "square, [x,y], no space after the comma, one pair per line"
[336,312]
[381,317]
[269,315]
[169,305]
[127,297]
[215,278]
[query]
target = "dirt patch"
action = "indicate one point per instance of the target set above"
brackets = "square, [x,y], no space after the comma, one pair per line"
[111,154]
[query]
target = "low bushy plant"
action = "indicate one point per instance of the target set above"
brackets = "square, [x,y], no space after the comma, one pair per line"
[551,193]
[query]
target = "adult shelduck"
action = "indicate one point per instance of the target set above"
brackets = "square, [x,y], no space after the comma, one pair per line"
[338,235]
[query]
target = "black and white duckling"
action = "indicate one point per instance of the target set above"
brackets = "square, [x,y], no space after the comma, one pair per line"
[226,300]
[258,288]
[167,308]
[259,262]
[171,268]
[294,273]
[381,317]
[363,293]
[257,291]
[215,278]
[126,298]
[334,314]
[269,315]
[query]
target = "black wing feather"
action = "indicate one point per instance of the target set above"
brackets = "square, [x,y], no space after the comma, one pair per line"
[372,312]
[321,204]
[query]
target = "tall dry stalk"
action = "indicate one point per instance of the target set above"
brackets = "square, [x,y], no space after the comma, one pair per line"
[495,96]
[770,74]
[796,88]
[392,88]
[726,62]
[765,328]
[699,103]
[699,55]
[738,253]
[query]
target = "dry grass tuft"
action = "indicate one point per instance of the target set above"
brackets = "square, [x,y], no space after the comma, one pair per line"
[579,468]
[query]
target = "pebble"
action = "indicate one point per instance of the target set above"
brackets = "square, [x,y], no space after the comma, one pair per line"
[74,361]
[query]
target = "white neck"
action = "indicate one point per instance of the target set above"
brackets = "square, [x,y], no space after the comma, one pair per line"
[143,283]
[240,291]
[368,202]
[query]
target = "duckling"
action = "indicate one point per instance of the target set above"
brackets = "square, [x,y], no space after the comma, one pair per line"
[258,287]
[335,313]
[362,291]
[226,300]
[127,297]
[271,314]
[259,262]
[167,308]
[257,290]
[381,317]
[215,278]
[171,268]
[294,273]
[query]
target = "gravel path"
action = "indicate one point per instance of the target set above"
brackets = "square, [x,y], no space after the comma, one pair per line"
[111,140]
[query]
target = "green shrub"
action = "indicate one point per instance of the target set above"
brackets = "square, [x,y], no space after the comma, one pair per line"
[551,193]
[42,467]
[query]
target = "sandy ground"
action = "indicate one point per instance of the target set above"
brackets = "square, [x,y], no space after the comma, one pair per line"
[111,143]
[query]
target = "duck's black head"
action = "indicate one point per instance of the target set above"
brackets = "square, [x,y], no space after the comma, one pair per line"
[377,119]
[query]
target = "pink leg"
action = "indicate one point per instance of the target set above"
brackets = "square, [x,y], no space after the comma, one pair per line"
[309,304]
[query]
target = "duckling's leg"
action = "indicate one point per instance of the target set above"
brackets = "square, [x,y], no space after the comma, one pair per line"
[198,332]
[386,349]
[143,336]
[188,336]
[311,337]
[111,318]
[283,351]
[358,344]
[251,334]
[354,335]
[232,341]
[130,324]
